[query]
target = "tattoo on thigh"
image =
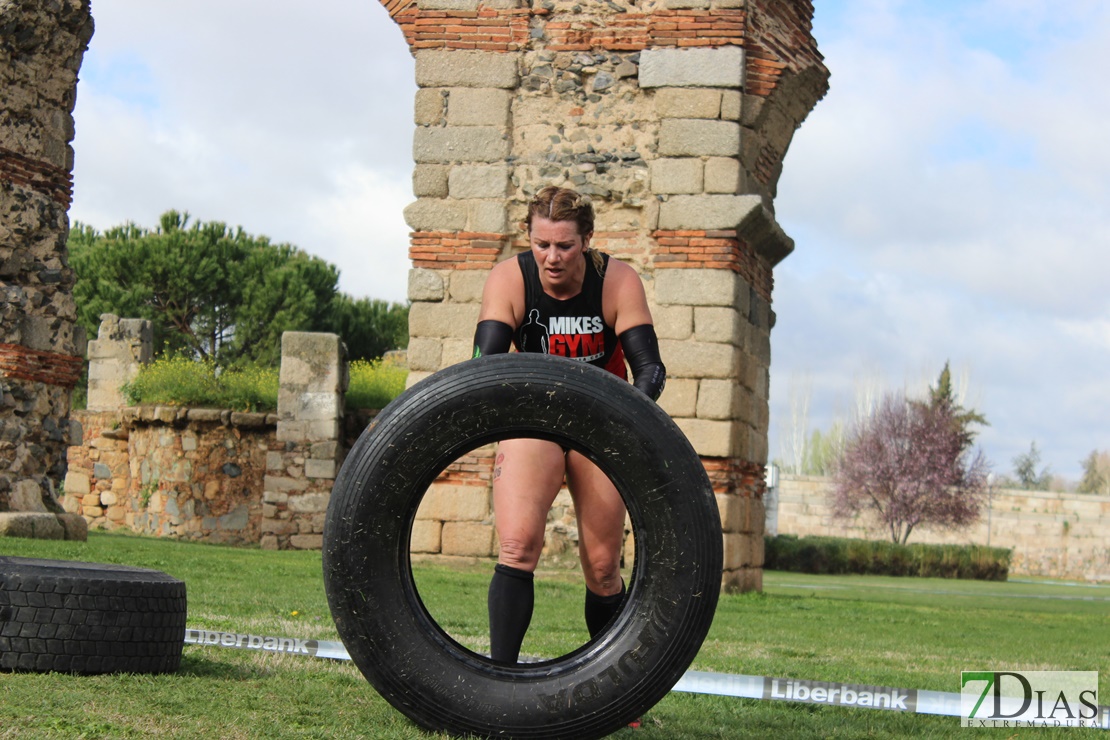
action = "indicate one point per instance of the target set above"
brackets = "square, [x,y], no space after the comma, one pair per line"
[497,465]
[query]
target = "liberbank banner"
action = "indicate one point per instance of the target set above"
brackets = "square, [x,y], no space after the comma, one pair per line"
[770,688]
[840,694]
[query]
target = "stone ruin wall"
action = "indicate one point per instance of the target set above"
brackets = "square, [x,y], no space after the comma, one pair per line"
[214,475]
[41,348]
[674,117]
[1051,534]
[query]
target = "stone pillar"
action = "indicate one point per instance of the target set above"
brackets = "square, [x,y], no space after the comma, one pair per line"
[674,116]
[41,47]
[301,467]
[121,348]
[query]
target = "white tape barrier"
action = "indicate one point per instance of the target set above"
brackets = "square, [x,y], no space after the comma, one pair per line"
[692,682]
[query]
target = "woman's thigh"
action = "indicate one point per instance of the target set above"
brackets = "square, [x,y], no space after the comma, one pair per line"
[600,512]
[527,476]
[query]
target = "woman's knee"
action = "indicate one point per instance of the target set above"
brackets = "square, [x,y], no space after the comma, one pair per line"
[522,553]
[602,571]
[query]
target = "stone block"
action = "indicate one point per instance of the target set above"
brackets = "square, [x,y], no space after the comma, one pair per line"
[313,406]
[742,580]
[720,67]
[436,214]
[455,503]
[268,542]
[26,495]
[696,287]
[464,68]
[108,498]
[456,350]
[324,450]
[309,503]
[481,106]
[274,460]
[460,144]
[466,286]
[415,376]
[736,551]
[426,285]
[428,107]
[673,322]
[707,212]
[320,469]
[689,359]
[680,396]
[478,181]
[282,484]
[722,175]
[307,541]
[473,539]
[731,101]
[676,175]
[75,526]
[31,525]
[311,361]
[718,324]
[679,102]
[732,510]
[425,537]
[425,353]
[442,319]
[430,180]
[695,137]
[486,216]
[76,483]
[278,526]
[717,399]
[709,438]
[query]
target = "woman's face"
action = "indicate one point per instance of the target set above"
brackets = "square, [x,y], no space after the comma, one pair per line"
[559,251]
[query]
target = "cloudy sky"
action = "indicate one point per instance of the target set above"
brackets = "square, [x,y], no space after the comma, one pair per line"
[948,198]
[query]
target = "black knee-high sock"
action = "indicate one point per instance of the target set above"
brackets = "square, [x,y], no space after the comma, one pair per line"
[511,598]
[600,609]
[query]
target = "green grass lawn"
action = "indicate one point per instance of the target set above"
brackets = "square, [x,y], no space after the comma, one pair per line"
[899,632]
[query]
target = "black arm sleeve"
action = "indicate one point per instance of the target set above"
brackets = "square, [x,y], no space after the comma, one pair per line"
[642,350]
[492,337]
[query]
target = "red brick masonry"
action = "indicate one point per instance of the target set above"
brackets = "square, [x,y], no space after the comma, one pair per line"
[52,368]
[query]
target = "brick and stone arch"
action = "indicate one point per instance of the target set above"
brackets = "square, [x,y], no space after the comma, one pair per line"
[41,347]
[674,116]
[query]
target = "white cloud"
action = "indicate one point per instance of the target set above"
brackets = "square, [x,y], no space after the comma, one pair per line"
[948,202]
[290,119]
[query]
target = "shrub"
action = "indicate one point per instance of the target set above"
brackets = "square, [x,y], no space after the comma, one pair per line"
[374,384]
[835,555]
[183,381]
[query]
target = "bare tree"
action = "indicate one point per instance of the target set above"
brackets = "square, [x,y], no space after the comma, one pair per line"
[794,443]
[910,464]
[1096,473]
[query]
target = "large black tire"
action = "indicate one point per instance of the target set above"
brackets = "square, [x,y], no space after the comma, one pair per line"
[74,617]
[676,577]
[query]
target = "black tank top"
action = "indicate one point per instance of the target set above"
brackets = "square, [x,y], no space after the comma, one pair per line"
[574,327]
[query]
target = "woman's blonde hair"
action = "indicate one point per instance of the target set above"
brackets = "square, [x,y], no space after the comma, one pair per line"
[563,204]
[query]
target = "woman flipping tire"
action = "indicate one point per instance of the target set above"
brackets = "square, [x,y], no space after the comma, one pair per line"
[606,683]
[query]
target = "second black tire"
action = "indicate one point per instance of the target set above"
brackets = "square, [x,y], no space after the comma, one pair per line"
[674,587]
[87,618]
